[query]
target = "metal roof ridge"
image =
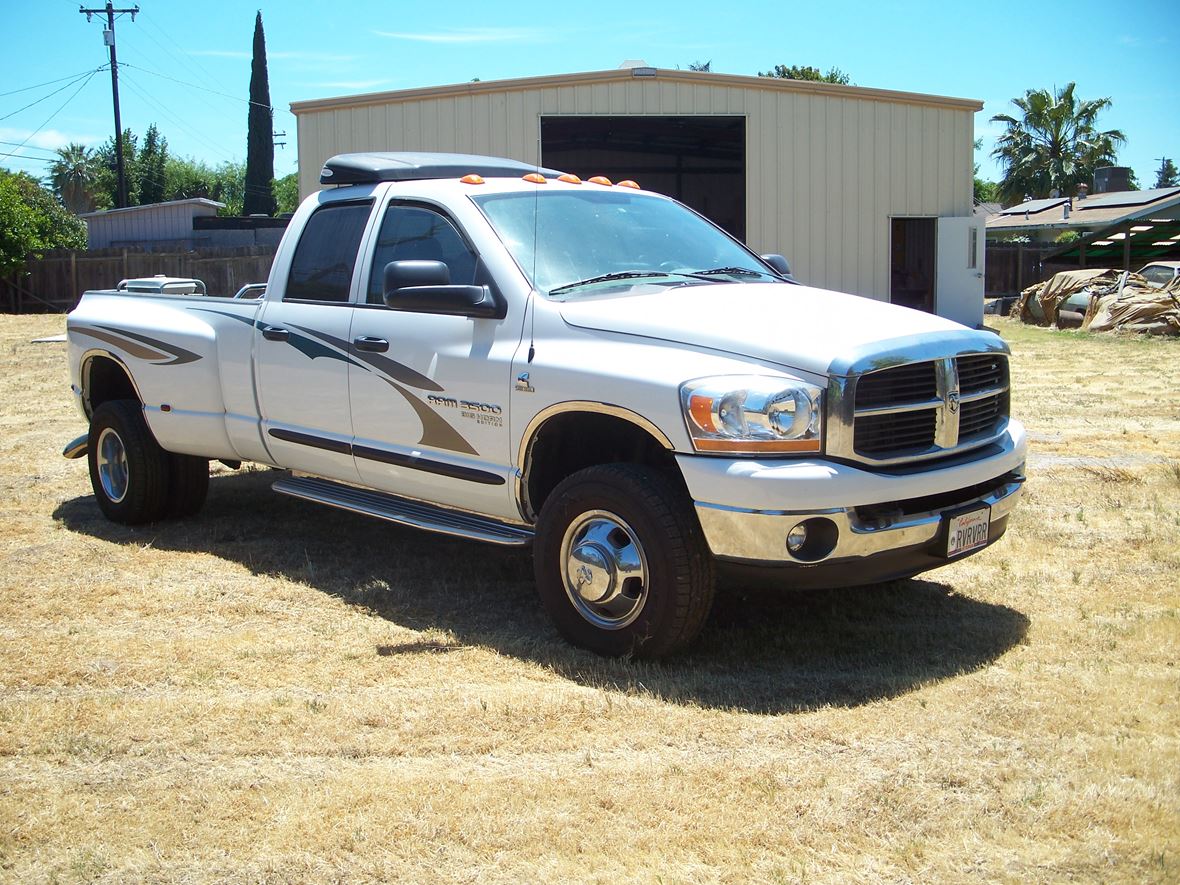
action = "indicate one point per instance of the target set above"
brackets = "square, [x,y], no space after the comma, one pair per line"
[865,93]
[200,201]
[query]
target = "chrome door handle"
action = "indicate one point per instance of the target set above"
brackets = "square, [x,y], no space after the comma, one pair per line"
[370,344]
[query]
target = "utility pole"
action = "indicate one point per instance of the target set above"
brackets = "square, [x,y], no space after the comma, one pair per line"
[108,37]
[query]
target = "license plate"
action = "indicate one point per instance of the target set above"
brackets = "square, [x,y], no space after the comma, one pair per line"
[967,531]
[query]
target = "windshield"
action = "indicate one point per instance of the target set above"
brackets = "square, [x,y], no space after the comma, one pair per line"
[570,242]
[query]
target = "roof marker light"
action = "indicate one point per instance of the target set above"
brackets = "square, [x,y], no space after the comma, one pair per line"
[472,179]
[535,178]
[629,183]
[569,178]
[599,179]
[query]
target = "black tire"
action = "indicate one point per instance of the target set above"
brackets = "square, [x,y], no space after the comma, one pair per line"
[188,484]
[128,469]
[594,529]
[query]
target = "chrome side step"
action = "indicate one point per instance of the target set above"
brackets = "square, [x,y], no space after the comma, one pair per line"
[403,512]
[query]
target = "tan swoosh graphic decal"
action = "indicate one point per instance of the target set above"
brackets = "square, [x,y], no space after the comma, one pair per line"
[141,346]
[436,431]
[132,347]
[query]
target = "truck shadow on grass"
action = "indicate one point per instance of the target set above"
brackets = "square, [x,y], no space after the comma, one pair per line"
[767,652]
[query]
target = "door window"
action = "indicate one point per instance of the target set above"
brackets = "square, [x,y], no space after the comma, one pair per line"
[326,255]
[415,232]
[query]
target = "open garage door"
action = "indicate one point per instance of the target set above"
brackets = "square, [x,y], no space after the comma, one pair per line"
[700,161]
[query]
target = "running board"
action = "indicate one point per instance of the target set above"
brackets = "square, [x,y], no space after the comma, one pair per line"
[404,512]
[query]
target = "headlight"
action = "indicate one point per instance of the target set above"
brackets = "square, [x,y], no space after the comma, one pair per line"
[752,414]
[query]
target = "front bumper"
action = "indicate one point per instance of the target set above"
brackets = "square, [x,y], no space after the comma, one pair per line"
[866,516]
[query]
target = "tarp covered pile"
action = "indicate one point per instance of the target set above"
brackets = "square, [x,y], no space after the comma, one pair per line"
[1154,311]
[1110,299]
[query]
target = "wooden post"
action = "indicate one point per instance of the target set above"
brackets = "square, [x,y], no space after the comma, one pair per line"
[1019,269]
[74,274]
[125,273]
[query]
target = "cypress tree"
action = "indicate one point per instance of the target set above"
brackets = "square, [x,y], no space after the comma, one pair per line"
[260,146]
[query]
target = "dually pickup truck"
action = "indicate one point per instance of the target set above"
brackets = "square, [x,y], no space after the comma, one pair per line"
[509,354]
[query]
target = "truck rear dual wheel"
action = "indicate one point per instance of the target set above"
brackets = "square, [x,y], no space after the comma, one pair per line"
[621,564]
[134,480]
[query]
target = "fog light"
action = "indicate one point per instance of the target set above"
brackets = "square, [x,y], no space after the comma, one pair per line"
[796,538]
[813,539]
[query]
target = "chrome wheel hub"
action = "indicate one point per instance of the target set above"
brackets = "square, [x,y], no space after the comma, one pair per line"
[111,458]
[604,569]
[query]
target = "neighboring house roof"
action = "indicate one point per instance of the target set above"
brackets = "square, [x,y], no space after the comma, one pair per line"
[192,201]
[986,210]
[1091,213]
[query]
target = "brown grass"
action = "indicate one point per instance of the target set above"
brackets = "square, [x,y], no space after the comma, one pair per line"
[274,692]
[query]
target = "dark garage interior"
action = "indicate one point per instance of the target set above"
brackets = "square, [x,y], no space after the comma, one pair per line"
[696,159]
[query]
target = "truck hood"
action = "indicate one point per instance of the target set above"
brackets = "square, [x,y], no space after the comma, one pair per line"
[794,326]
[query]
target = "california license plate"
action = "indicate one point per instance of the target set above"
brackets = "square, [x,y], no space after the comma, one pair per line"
[967,531]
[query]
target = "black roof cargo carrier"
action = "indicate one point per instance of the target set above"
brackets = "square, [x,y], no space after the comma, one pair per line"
[370,168]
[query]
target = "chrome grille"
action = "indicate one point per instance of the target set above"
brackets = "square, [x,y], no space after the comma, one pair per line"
[920,410]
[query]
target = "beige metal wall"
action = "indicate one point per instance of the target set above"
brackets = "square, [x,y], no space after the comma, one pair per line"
[826,166]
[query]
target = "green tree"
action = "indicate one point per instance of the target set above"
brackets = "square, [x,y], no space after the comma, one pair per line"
[1053,144]
[1166,175]
[803,72]
[286,191]
[107,185]
[153,161]
[985,191]
[704,67]
[74,177]
[32,221]
[260,145]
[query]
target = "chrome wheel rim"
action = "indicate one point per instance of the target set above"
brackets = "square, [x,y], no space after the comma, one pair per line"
[112,465]
[604,569]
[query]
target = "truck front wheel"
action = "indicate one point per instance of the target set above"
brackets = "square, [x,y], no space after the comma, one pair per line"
[621,564]
[128,469]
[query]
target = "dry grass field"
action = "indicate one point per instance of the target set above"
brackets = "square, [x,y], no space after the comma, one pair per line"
[272,692]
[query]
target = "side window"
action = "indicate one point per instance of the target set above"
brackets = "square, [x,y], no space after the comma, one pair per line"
[414,232]
[326,255]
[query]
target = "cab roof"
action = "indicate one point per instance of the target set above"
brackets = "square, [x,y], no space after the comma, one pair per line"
[369,168]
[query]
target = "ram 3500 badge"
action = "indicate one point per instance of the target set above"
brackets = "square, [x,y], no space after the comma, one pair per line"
[474,346]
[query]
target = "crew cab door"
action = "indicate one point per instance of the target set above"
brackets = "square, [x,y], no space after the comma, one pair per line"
[301,344]
[429,392]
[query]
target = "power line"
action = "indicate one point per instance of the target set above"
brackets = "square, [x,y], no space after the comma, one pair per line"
[179,123]
[202,88]
[22,144]
[87,75]
[51,82]
[49,119]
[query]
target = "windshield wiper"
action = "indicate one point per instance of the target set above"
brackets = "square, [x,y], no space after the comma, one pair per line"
[608,277]
[732,271]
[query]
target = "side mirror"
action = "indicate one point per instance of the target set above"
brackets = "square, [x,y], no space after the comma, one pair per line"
[419,286]
[779,265]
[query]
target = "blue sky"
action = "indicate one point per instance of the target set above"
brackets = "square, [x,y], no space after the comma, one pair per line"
[186,66]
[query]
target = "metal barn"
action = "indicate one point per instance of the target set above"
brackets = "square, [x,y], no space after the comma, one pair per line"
[864,190]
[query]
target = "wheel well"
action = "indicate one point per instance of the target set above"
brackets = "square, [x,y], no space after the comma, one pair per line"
[105,379]
[574,441]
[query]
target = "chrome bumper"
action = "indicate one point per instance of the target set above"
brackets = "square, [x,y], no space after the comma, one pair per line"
[737,534]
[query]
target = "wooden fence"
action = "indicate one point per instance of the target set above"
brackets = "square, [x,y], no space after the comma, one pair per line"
[1010,269]
[54,283]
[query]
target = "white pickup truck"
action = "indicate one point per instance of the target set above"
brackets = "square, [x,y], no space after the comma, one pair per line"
[479,347]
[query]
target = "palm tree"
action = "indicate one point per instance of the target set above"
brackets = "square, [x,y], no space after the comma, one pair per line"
[73,176]
[1054,144]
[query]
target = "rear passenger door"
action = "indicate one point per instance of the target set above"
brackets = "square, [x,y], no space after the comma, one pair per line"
[429,403]
[301,344]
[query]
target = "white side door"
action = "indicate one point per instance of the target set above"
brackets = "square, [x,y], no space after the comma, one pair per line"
[958,286]
[302,347]
[429,392]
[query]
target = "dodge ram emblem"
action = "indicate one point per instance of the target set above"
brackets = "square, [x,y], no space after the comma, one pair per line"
[952,401]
